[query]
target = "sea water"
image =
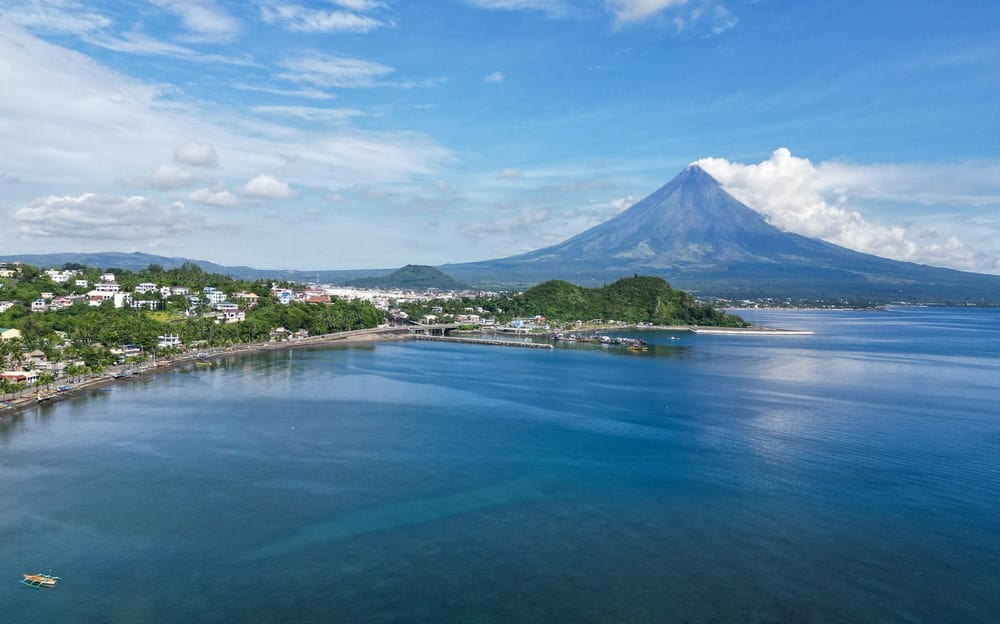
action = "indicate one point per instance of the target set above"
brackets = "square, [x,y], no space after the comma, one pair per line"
[848,476]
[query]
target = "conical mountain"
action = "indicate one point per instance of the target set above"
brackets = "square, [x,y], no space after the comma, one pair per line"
[699,237]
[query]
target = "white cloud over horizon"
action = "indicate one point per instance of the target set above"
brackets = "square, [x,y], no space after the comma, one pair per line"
[94,216]
[824,201]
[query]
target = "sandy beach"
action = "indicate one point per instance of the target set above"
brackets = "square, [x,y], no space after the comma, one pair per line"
[29,398]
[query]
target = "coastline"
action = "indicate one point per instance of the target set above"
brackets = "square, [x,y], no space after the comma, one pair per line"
[113,376]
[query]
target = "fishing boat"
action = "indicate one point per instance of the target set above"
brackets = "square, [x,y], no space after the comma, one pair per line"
[39,581]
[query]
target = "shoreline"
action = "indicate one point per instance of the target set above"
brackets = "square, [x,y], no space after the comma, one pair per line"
[118,374]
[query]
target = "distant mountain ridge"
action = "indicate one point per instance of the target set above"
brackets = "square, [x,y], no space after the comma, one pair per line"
[700,238]
[137,260]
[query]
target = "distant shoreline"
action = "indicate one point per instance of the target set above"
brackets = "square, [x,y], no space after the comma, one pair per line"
[119,374]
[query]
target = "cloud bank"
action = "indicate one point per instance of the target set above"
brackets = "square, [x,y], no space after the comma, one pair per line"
[825,201]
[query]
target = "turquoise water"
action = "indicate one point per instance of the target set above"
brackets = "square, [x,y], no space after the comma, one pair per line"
[849,476]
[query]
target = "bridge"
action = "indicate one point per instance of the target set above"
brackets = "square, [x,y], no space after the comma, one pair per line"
[438,329]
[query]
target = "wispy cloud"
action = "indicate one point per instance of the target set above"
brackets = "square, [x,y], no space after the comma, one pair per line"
[204,19]
[494,78]
[305,92]
[296,17]
[332,71]
[310,113]
[71,120]
[709,16]
[63,16]
[552,7]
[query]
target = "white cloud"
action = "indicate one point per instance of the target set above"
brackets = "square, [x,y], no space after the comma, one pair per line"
[361,6]
[165,177]
[92,216]
[267,187]
[196,154]
[495,78]
[709,16]
[54,16]
[202,17]
[818,201]
[511,173]
[219,199]
[296,17]
[552,7]
[328,71]
[310,113]
[305,92]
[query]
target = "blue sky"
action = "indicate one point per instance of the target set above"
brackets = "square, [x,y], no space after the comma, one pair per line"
[374,133]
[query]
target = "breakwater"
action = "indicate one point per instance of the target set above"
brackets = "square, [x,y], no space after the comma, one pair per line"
[485,341]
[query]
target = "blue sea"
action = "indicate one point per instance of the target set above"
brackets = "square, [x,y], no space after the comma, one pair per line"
[848,476]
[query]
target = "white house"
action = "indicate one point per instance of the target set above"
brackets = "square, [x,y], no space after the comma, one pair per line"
[39,305]
[149,304]
[122,299]
[110,287]
[107,277]
[232,316]
[215,297]
[5,305]
[169,341]
[180,290]
[146,287]
[60,277]
[82,283]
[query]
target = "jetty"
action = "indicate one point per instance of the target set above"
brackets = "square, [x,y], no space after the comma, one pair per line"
[484,341]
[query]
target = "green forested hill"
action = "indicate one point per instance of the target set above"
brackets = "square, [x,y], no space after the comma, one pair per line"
[410,277]
[638,299]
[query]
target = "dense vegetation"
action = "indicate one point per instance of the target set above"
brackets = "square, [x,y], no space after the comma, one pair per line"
[411,277]
[638,299]
[90,332]
[635,300]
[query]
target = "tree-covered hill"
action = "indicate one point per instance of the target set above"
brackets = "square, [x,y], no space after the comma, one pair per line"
[411,277]
[638,299]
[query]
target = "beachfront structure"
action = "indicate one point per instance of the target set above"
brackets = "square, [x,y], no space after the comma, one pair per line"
[25,377]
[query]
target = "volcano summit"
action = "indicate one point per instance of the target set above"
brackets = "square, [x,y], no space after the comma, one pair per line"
[697,236]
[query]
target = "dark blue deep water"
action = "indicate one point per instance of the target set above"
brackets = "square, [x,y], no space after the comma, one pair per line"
[849,476]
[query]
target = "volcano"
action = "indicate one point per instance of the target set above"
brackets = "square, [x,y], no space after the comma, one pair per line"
[698,237]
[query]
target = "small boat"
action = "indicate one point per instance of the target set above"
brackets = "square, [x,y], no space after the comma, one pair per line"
[39,581]
[64,388]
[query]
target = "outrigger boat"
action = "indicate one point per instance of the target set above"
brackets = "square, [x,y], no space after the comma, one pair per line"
[39,581]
